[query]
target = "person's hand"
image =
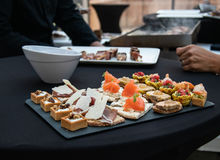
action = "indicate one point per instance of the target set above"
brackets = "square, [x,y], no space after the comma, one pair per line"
[96,43]
[195,58]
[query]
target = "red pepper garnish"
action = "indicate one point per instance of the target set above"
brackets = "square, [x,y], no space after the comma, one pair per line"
[183,92]
[155,78]
[139,74]
[168,84]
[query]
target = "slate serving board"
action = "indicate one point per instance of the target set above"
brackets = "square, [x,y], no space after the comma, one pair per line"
[91,130]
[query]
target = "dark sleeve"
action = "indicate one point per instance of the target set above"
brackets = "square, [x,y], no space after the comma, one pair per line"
[10,41]
[71,22]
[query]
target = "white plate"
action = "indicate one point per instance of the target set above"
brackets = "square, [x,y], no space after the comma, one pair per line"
[149,55]
[179,11]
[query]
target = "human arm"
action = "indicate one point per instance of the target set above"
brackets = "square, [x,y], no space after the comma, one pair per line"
[11,41]
[71,22]
[96,43]
[195,58]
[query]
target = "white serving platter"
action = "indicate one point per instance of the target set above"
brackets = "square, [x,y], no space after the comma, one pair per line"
[178,11]
[149,55]
[179,14]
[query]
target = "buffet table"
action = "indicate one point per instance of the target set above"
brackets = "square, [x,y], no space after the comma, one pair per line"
[174,137]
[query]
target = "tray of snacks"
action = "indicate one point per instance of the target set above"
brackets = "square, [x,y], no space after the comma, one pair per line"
[117,55]
[119,102]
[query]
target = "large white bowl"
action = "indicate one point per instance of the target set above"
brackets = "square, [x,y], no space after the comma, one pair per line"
[52,64]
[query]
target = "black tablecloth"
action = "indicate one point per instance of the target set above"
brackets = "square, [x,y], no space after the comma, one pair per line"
[174,137]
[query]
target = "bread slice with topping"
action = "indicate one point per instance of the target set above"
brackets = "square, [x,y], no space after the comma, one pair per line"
[199,95]
[102,115]
[132,114]
[167,107]
[157,96]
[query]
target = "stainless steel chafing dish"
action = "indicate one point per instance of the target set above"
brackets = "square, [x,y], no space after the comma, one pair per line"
[161,32]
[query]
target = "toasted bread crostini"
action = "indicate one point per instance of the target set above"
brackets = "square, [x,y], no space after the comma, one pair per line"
[167,107]
[199,95]
[157,96]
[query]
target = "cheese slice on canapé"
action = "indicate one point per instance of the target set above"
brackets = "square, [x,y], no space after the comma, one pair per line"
[75,96]
[61,90]
[96,111]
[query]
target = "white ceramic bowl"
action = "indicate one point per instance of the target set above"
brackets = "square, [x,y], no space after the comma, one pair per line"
[52,64]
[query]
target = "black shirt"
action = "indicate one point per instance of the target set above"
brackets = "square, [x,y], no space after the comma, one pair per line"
[24,22]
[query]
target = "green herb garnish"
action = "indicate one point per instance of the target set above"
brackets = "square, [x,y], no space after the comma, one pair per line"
[135,97]
[103,75]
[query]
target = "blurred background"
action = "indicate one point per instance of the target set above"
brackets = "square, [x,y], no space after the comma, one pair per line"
[139,8]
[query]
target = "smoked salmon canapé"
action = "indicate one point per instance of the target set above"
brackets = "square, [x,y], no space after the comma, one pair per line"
[111,87]
[136,103]
[130,89]
[109,77]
